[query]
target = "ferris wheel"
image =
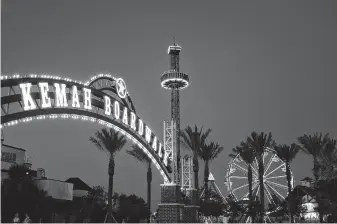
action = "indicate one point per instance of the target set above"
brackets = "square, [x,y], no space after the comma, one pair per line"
[275,180]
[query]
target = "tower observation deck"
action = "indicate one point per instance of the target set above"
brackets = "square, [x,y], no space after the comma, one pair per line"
[175,80]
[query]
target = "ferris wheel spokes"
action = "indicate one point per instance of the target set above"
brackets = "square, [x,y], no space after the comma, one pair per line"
[241,168]
[255,184]
[264,156]
[270,199]
[238,177]
[239,187]
[255,171]
[275,190]
[269,163]
[257,190]
[275,169]
[256,163]
[275,177]
[276,184]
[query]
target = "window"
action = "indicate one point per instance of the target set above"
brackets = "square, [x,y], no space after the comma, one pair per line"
[8,157]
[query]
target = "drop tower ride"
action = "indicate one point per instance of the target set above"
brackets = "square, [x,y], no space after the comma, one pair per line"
[173,209]
[174,80]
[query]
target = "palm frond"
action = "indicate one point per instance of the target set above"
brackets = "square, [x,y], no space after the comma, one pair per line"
[259,142]
[209,152]
[313,145]
[217,149]
[139,154]
[194,139]
[245,152]
[185,137]
[108,140]
[96,143]
[287,153]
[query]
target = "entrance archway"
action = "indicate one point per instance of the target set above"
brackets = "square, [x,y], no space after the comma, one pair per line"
[103,99]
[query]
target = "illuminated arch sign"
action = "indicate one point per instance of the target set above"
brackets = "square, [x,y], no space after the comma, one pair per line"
[103,99]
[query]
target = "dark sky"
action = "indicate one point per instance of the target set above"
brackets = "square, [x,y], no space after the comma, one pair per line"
[253,65]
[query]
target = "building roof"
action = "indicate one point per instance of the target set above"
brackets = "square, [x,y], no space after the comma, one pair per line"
[78,184]
[300,191]
[13,147]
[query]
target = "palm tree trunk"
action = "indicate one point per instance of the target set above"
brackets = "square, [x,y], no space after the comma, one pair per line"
[196,172]
[261,182]
[316,175]
[250,188]
[111,172]
[149,180]
[206,175]
[289,191]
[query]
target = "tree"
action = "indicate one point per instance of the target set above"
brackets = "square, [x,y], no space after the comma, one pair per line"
[212,205]
[208,152]
[281,208]
[259,143]
[110,142]
[92,205]
[287,154]
[234,209]
[327,161]
[141,156]
[325,187]
[18,172]
[194,140]
[20,194]
[131,208]
[247,155]
[313,145]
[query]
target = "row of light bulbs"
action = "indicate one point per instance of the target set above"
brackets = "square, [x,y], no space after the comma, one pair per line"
[174,80]
[87,118]
[45,76]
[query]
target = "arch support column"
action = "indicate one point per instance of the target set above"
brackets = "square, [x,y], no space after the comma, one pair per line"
[171,208]
[191,208]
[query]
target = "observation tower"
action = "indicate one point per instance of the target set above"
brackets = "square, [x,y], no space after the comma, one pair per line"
[174,80]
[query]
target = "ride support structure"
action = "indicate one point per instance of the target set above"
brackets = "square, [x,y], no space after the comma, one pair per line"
[172,208]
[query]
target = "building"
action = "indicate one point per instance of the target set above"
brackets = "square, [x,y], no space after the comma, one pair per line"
[80,188]
[305,191]
[307,182]
[9,156]
[55,189]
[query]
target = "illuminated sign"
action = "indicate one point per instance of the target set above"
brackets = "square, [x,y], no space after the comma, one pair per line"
[82,98]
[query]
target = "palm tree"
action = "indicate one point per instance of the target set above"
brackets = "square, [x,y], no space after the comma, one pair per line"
[209,152]
[234,209]
[247,155]
[313,145]
[287,154]
[110,142]
[259,143]
[19,171]
[141,156]
[194,140]
[328,161]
